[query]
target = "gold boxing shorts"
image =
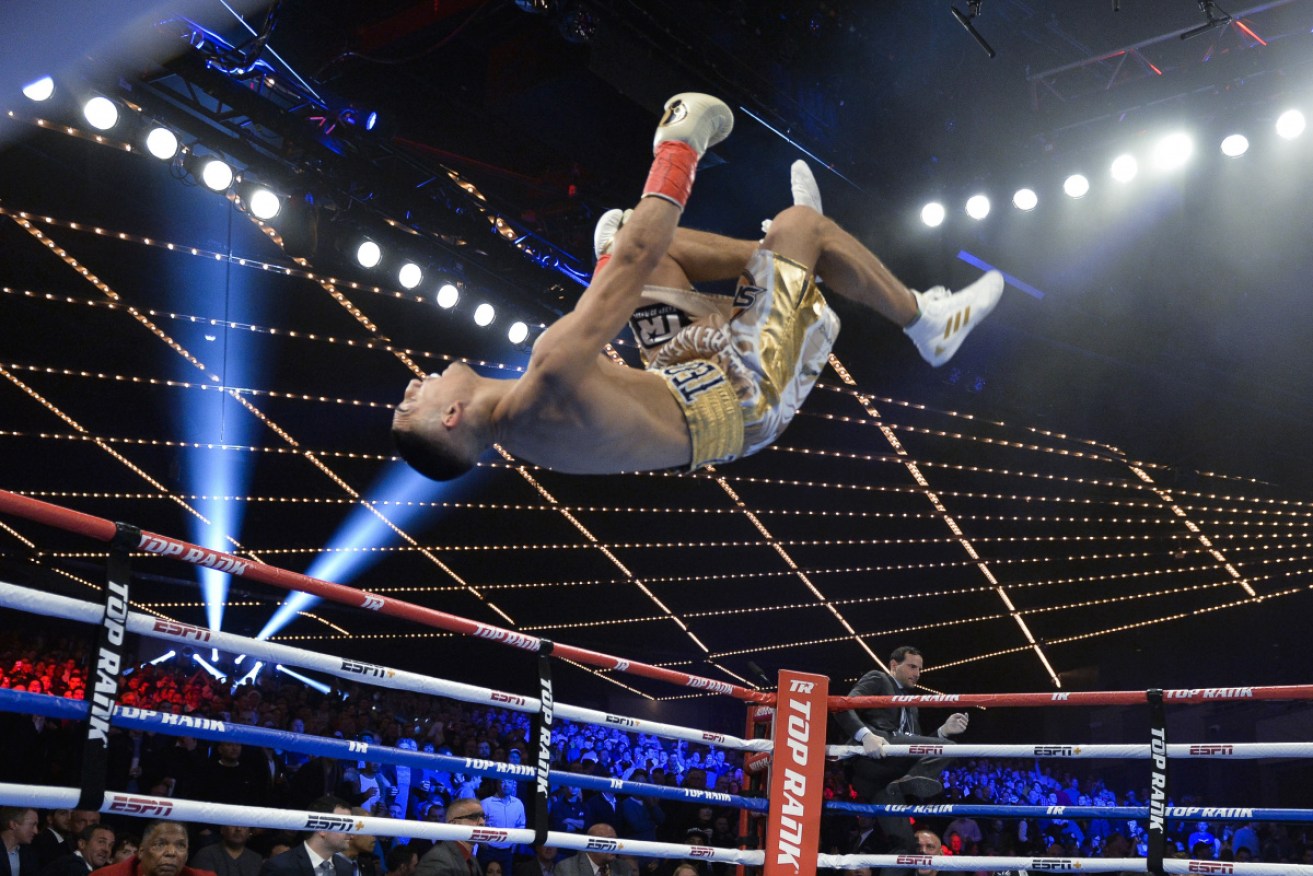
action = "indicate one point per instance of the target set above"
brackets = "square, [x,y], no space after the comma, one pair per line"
[769,353]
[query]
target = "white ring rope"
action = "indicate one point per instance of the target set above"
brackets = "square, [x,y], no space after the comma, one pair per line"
[1191,750]
[145,806]
[172,809]
[36,602]
[51,605]
[1063,865]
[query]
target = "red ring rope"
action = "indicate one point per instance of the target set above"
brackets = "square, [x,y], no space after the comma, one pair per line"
[100,529]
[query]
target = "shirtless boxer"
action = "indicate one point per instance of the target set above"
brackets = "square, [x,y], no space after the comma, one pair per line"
[720,389]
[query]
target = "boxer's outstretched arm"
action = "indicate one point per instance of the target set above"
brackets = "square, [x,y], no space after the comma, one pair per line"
[606,305]
[706,257]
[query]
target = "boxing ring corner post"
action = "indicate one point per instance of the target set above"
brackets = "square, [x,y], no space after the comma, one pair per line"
[797,775]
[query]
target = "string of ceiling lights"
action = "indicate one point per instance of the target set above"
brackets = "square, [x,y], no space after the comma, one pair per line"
[1102,578]
[619,509]
[265,204]
[1169,154]
[297,451]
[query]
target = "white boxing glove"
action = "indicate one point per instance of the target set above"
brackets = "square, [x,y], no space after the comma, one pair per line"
[956,723]
[607,227]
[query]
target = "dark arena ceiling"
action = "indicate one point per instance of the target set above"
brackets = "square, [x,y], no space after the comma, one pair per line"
[1109,487]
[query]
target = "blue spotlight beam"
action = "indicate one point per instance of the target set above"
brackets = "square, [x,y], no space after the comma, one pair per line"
[250,676]
[986,266]
[343,560]
[304,679]
[796,145]
[205,664]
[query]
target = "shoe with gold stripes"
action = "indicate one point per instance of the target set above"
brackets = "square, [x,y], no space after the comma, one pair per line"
[946,317]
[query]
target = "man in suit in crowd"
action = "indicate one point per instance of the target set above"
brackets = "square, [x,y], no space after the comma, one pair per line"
[598,863]
[163,852]
[319,854]
[56,839]
[895,781]
[401,860]
[229,856]
[455,857]
[543,862]
[17,830]
[94,848]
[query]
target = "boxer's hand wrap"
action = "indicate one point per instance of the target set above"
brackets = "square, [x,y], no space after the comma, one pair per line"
[673,169]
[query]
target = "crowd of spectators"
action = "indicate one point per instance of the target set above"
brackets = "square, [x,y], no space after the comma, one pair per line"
[46,751]
[1016,782]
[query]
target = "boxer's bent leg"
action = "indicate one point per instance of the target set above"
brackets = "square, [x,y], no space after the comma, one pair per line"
[849,268]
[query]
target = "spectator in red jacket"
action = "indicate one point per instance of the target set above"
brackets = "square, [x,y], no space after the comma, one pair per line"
[163,852]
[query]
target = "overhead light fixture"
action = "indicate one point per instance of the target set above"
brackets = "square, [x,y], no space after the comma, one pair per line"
[484,314]
[1214,18]
[448,295]
[40,90]
[977,207]
[1173,151]
[1124,168]
[1235,145]
[216,174]
[1076,186]
[518,333]
[162,143]
[101,113]
[964,19]
[1025,200]
[262,201]
[368,254]
[357,118]
[1290,124]
[410,275]
[933,214]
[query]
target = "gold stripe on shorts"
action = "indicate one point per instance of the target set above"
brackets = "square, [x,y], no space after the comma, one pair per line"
[711,409]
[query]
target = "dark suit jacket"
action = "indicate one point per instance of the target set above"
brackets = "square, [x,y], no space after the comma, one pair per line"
[598,811]
[49,849]
[877,683]
[531,868]
[28,863]
[445,859]
[579,865]
[296,862]
[67,865]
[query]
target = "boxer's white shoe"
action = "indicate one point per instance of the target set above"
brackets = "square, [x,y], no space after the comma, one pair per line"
[699,120]
[607,226]
[805,191]
[947,317]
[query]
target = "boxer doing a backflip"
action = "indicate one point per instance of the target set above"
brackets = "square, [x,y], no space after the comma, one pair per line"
[720,388]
